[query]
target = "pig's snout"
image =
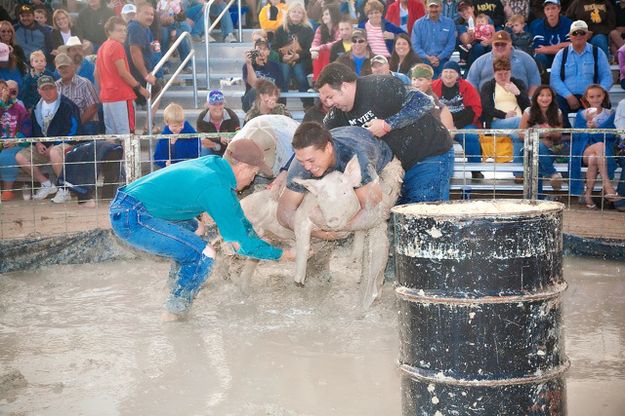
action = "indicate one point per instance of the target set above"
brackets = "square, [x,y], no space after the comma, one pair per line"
[333,222]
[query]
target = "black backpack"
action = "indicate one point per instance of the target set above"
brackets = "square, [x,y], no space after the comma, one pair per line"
[595,54]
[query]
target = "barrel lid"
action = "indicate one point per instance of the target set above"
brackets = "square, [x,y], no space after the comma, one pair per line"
[479,209]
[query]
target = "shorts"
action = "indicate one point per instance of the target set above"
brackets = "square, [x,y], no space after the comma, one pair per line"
[38,159]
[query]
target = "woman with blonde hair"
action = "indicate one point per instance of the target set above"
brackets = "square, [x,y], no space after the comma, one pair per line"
[7,36]
[292,41]
[61,32]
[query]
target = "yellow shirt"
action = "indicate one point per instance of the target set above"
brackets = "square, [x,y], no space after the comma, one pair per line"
[506,101]
[347,46]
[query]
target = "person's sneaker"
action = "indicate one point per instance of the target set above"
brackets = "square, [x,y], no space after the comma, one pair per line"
[187,70]
[196,38]
[210,39]
[556,181]
[230,38]
[7,196]
[44,192]
[62,196]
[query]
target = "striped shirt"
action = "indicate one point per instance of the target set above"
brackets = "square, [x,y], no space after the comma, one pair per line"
[81,91]
[375,38]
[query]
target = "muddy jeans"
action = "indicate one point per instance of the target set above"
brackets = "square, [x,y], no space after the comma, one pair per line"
[174,239]
[429,179]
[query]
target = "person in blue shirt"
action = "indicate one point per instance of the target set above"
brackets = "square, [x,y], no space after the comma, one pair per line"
[580,70]
[156,214]
[551,33]
[170,151]
[380,66]
[434,37]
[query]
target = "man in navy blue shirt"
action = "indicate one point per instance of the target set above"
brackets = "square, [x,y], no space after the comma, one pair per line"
[140,46]
[551,33]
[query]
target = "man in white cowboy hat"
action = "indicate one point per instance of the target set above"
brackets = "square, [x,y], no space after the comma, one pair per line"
[74,49]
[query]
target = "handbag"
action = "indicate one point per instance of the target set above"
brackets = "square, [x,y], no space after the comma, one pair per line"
[290,48]
[496,147]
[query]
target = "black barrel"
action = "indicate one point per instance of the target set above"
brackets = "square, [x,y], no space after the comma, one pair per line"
[479,285]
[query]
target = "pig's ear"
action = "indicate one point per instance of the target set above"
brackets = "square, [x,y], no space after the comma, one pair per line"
[310,184]
[352,172]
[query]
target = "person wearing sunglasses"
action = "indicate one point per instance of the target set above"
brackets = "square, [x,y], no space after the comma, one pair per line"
[600,17]
[577,66]
[359,58]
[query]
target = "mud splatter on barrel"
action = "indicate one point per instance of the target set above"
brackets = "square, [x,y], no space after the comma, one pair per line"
[479,286]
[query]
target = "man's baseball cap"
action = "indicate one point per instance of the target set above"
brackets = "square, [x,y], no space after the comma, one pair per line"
[5,52]
[25,8]
[62,59]
[359,34]
[578,25]
[464,4]
[45,80]
[556,2]
[129,8]
[434,2]
[379,59]
[248,152]
[502,36]
[215,97]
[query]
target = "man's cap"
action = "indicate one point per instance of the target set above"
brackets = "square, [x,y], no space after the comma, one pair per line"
[502,36]
[248,152]
[434,2]
[129,8]
[359,33]
[578,25]
[45,80]
[62,59]
[464,4]
[379,59]
[25,8]
[5,52]
[73,41]
[215,97]
[452,65]
[556,2]
[422,71]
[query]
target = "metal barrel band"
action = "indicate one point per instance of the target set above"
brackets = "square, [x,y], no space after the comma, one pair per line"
[530,379]
[413,295]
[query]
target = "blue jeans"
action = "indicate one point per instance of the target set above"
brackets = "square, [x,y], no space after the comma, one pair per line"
[517,144]
[9,168]
[546,159]
[174,239]
[429,179]
[185,46]
[196,14]
[297,71]
[545,60]
[601,42]
[471,144]
[439,68]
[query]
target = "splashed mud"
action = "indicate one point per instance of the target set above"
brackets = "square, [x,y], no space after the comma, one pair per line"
[87,340]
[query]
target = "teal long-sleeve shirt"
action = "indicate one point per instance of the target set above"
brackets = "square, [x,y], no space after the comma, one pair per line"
[207,184]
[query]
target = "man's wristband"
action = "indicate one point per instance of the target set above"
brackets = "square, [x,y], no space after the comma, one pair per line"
[137,89]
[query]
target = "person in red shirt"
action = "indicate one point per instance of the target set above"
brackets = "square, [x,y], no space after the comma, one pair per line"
[118,88]
[403,13]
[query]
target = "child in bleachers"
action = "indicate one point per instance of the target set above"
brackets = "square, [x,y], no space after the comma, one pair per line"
[28,92]
[484,30]
[41,17]
[421,76]
[169,151]
[520,38]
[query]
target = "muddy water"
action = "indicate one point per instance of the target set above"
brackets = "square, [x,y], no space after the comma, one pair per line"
[87,340]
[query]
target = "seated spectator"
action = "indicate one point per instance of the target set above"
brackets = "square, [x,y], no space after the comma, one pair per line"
[9,68]
[570,73]
[521,39]
[14,90]
[174,150]
[195,17]
[523,65]
[620,55]
[493,9]
[53,116]
[421,77]
[434,37]
[504,99]
[358,58]
[292,41]
[62,31]
[403,13]
[484,29]
[619,123]
[14,123]
[403,57]
[41,17]
[592,149]
[28,33]
[543,114]
[266,102]
[91,21]
[129,12]
[29,90]
[271,16]
[214,119]
[314,10]
[600,17]
[326,34]
[317,112]
[257,66]
[465,106]
[75,50]
[520,7]
[551,33]
[172,18]
[7,36]
[82,93]
[617,35]
[380,66]
[261,34]
[469,48]
[380,33]
[344,44]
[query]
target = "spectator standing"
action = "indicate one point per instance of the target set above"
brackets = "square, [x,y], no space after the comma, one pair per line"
[29,93]
[523,66]
[54,115]
[551,33]
[403,13]
[28,33]
[140,48]
[571,74]
[358,59]
[326,34]
[118,88]
[380,33]
[174,150]
[266,102]
[82,93]
[434,37]
[91,20]
[216,118]
[403,57]
[344,44]
[257,66]
[600,17]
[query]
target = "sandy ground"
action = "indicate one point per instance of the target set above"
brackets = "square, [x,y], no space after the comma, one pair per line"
[87,340]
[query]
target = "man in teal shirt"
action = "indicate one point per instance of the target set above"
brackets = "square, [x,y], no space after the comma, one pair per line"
[157,212]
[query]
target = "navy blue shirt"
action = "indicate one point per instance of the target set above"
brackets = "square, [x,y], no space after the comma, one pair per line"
[142,37]
[270,71]
[373,155]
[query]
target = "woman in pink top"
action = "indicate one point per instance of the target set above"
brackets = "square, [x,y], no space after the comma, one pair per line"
[325,36]
[380,33]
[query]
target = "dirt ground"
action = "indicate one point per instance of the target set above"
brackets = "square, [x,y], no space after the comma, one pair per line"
[87,340]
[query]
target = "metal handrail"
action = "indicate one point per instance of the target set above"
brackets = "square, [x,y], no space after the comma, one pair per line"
[209,29]
[191,56]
